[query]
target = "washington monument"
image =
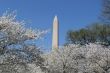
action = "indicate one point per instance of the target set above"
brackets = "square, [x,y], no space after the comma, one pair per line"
[55,38]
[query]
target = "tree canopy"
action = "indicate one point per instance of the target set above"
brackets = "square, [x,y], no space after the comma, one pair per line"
[16,53]
[94,33]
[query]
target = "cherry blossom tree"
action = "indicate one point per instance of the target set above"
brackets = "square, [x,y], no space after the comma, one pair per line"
[16,53]
[91,58]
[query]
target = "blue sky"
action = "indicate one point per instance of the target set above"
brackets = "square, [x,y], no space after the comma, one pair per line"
[72,14]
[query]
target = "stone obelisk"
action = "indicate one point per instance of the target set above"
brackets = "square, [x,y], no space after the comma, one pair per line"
[55,41]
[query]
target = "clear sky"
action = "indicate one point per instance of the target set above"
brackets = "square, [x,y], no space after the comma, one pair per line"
[72,14]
